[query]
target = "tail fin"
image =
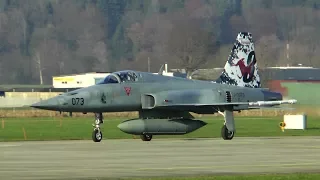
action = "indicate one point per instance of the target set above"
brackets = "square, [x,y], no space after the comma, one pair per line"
[241,68]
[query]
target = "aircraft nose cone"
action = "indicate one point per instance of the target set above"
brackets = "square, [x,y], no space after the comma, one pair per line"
[41,104]
[49,104]
[36,105]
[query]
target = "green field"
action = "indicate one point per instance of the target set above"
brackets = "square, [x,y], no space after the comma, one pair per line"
[77,128]
[310,92]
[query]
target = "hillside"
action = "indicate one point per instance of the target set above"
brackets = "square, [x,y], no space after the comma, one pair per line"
[42,38]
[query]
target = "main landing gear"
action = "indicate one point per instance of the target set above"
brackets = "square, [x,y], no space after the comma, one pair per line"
[146,137]
[96,133]
[228,129]
[226,134]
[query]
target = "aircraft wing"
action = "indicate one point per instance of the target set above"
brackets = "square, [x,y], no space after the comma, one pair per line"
[201,98]
[251,105]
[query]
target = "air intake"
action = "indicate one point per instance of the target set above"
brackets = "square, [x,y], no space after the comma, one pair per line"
[228,96]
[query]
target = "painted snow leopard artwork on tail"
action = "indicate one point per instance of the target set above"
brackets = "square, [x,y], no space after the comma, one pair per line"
[241,68]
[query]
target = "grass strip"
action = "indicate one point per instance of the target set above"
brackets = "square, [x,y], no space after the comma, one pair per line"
[80,128]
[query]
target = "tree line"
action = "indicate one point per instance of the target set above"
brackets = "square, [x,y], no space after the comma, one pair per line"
[43,38]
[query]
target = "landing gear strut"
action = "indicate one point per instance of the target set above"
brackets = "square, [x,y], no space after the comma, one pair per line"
[96,133]
[146,137]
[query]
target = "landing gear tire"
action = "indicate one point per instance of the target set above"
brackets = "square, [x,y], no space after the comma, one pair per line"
[96,135]
[146,137]
[226,134]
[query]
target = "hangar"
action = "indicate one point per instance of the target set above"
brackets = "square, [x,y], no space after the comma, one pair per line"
[78,80]
[303,83]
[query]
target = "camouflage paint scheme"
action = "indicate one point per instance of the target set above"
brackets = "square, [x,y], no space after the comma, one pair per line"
[241,68]
[164,103]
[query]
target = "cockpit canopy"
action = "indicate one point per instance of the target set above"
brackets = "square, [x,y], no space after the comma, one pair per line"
[120,77]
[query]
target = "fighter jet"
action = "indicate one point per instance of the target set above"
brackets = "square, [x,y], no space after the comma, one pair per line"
[165,103]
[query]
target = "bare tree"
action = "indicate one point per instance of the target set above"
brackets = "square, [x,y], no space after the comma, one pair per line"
[84,29]
[16,27]
[238,23]
[150,39]
[91,38]
[304,46]
[37,59]
[267,50]
[260,21]
[189,44]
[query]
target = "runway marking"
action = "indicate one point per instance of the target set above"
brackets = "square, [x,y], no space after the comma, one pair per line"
[9,145]
[169,168]
[228,166]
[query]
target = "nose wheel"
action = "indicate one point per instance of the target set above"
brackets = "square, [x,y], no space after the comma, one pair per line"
[96,133]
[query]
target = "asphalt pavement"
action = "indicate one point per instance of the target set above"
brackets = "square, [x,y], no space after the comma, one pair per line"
[159,157]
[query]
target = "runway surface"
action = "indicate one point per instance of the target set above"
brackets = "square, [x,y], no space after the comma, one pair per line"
[135,158]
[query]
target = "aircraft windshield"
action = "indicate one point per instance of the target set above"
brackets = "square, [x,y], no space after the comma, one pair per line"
[109,79]
[120,77]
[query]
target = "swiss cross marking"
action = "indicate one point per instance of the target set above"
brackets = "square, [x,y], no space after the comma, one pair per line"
[128,90]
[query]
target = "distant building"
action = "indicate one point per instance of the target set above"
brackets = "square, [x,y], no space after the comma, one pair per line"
[301,83]
[78,80]
[92,78]
[292,73]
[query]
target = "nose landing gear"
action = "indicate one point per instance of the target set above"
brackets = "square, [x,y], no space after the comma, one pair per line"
[97,134]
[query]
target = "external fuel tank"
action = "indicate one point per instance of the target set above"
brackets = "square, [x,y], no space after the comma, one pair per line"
[160,126]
